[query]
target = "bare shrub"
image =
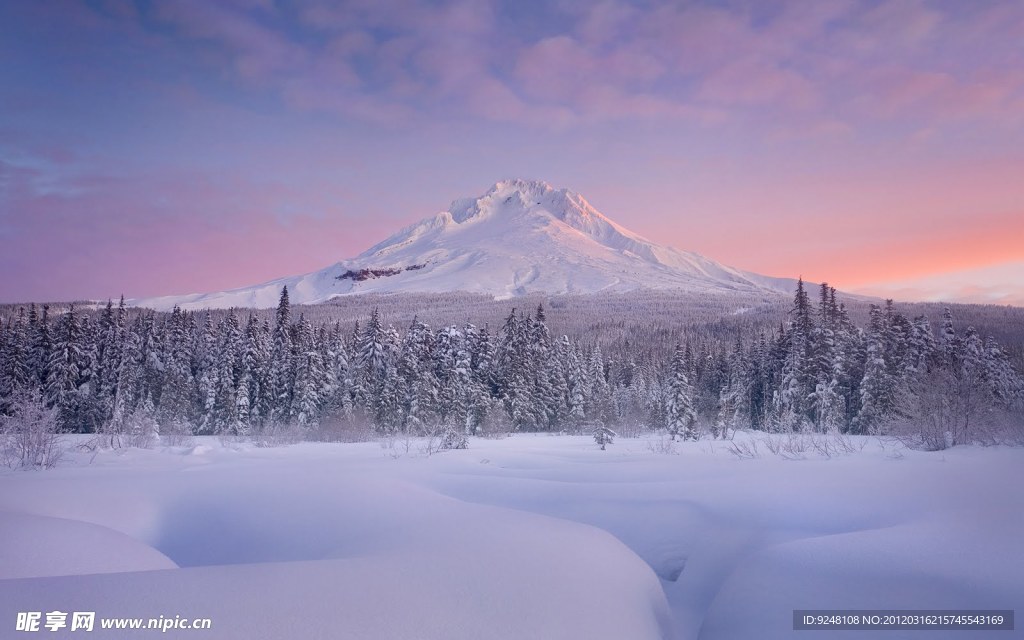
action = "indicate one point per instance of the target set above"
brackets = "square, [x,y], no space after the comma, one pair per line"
[143,430]
[824,446]
[30,437]
[773,444]
[744,449]
[892,447]
[798,446]
[139,429]
[277,434]
[795,446]
[176,433]
[442,437]
[846,444]
[631,428]
[662,445]
[397,444]
[111,434]
[387,443]
[336,427]
[495,425]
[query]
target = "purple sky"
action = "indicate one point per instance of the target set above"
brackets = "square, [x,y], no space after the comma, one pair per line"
[152,148]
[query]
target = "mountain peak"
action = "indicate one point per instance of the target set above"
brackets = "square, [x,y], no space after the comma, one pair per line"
[522,186]
[521,236]
[522,198]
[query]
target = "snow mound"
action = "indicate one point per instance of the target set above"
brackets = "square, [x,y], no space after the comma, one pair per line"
[284,543]
[37,546]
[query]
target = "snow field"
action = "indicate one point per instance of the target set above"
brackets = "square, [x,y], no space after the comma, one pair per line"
[531,536]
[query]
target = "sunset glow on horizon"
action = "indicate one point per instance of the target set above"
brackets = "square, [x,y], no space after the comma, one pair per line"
[153,148]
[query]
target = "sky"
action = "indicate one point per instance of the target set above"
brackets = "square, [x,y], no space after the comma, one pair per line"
[151,148]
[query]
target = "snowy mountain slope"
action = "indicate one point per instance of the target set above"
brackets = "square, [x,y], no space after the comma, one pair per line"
[520,237]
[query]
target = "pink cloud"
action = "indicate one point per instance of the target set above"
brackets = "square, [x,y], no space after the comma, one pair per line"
[554,68]
[561,72]
[799,22]
[904,22]
[751,82]
[697,38]
[895,92]
[602,22]
[257,53]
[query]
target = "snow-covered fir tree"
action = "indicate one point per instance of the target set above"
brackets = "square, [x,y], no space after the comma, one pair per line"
[681,419]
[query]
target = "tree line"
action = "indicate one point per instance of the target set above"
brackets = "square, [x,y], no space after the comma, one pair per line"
[184,372]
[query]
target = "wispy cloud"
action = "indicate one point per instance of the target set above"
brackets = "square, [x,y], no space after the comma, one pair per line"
[414,60]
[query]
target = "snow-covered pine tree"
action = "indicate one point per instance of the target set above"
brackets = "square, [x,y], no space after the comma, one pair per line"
[282,373]
[1006,385]
[418,396]
[228,364]
[450,401]
[947,347]
[798,366]
[547,409]
[897,336]
[90,411]
[108,355]
[758,389]
[257,358]
[972,388]
[129,381]
[41,346]
[253,377]
[554,388]
[734,396]
[16,375]
[338,390]
[681,418]
[478,398]
[143,429]
[371,360]
[187,354]
[453,370]
[922,346]
[64,368]
[876,386]
[514,375]
[577,384]
[207,371]
[599,406]
[386,410]
[309,377]
[849,366]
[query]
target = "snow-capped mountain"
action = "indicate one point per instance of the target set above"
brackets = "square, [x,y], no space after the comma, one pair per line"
[520,237]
